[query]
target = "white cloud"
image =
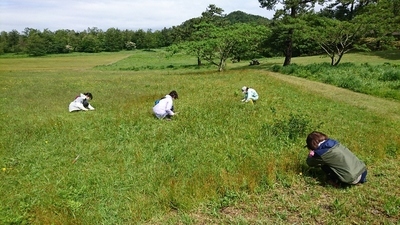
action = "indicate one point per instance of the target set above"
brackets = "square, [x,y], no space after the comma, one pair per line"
[79,15]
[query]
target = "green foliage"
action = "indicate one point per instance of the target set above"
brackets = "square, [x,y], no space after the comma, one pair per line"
[290,69]
[335,37]
[113,40]
[36,45]
[295,23]
[242,17]
[276,68]
[390,75]
[215,44]
[289,128]
[349,82]
[381,32]
[89,44]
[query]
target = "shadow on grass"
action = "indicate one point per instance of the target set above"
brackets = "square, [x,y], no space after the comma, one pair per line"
[389,54]
[262,66]
[318,175]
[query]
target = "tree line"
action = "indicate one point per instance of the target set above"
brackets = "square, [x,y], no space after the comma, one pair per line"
[38,43]
[296,29]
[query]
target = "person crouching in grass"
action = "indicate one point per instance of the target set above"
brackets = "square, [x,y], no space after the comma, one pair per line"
[340,165]
[250,95]
[164,108]
[81,102]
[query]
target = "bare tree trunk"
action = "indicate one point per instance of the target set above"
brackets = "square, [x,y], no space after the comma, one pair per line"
[289,48]
[289,41]
[339,58]
[221,65]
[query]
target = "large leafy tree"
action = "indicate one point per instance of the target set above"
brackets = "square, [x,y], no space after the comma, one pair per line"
[113,40]
[195,30]
[50,42]
[335,37]
[3,42]
[301,45]
[73,40]
[226,42]
[213,39]
[150,39]
[139,38]
[35,43]
[14,42]
[61,41]
[90,44]
[185,31]
[289,11]
[90,40]
[382,20]
[128,39]
[345,9]
[165,37]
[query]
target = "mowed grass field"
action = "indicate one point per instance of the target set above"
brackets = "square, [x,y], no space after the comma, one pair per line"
[219,161]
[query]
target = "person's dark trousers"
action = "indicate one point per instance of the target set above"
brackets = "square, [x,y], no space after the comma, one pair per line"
[85,103]
[363,177]
[333,177]
[330,174]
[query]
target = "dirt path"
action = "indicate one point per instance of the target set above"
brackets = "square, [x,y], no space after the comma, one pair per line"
[383,107]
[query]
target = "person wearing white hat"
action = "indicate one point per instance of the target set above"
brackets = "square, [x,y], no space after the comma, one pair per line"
[250,95]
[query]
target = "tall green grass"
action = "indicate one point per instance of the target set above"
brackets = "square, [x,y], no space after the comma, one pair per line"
[120,165]
[372,74]
[380,80]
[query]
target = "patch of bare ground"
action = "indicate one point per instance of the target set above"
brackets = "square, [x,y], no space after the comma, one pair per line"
[383,107]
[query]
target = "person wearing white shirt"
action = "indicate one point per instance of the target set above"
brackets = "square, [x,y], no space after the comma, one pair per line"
[250,95]
[81,102]
[164,108]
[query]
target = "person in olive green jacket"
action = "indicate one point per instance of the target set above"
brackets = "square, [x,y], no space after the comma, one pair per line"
[335,159]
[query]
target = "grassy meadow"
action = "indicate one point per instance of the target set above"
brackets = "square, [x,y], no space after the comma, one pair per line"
[219,161]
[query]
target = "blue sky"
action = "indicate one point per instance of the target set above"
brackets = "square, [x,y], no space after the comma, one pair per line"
[79,15]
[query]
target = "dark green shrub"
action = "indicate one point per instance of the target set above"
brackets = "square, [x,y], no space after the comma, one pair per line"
[292,128]
[390,75]
[394,85]
[328,79]
[276,68]
[317,67]
[350,82]
[290,69]
[346,65]
[393,94]
[134,68]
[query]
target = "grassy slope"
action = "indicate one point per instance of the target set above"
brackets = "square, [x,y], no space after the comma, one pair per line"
[310,201]
[306,200]
[125,146]
[374,104]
